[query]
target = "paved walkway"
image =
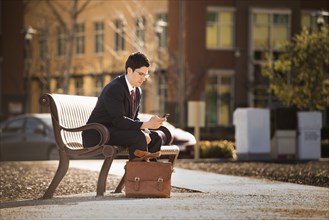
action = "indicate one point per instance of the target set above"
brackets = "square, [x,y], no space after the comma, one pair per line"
[220,197]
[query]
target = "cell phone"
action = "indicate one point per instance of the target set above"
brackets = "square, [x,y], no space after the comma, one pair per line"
[166,115]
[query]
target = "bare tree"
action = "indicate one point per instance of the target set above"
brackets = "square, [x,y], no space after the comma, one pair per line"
[67,16]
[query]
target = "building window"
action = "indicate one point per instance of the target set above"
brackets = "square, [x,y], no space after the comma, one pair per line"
[220,28]
[59,85]
[98,85]
[99,37]
[270,28]
[78,86]
[161,29]
[219,97]
[43,45]
[309,20]
[140,32]
[119,35]
[80,39]
[60,41]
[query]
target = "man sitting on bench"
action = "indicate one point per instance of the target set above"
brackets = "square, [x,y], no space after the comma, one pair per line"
[117,108]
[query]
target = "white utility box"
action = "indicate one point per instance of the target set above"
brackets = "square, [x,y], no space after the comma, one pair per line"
[309,138]
[252,133]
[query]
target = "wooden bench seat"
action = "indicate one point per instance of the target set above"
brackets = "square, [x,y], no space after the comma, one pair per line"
[69,115]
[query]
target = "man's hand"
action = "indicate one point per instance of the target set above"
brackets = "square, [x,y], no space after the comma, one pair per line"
[154,123]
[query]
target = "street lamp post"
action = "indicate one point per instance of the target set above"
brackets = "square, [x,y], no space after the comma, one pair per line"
[28,36]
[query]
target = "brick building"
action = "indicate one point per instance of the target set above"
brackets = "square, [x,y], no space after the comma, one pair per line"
[105,33]
[209,50]
[225,42]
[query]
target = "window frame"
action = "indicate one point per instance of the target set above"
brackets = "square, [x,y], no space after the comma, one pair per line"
[219,74]
[265,98]
[78,85]
[219,26]
[61,41]
[99,36]
[99,84]
[80,46]
[43,45]
[140,31]
[119,35]
[162,34]
[313,26]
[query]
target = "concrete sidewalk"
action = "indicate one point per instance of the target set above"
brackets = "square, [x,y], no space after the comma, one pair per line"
[220,197]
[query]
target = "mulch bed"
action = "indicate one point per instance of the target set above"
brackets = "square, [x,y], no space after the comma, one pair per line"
[28,181]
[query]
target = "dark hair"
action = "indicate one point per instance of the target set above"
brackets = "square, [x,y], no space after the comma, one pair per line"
[137,60]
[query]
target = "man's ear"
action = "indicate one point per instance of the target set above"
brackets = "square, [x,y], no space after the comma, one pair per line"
[129,70]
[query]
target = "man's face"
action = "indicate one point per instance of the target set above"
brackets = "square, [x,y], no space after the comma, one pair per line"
[138,76]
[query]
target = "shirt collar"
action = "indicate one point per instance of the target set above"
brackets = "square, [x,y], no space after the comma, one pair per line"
[130,87]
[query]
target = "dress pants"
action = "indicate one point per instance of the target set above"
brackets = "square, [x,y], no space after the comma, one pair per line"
[131,138]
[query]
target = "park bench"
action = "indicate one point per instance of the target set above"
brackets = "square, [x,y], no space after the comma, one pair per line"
[69,114]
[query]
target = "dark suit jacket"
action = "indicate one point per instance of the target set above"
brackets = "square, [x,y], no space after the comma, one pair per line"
[113,109]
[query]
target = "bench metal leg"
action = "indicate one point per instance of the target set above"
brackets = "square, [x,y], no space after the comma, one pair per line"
[63,166]
[101,184]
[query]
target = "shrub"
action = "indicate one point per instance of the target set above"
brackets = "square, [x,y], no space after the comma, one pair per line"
[217,149]
[325,148]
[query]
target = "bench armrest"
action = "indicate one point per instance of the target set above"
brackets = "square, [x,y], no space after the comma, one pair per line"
[102,130]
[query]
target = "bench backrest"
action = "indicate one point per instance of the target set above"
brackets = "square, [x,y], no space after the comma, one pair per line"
[72,112]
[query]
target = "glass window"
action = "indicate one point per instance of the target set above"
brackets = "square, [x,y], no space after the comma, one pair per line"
[161,29]
[211,100]
[59,88]
[280,30]
[98,85]
[226,30]
[43,47]
[33,126]
[219,100]
[78,86]
[269,30]
[80,39]
[260,30]
[15,126]
[306,21]
[119,35]
[212,30]
[309,20]
[220,28]
[99,37]
[60,41]
[140,32]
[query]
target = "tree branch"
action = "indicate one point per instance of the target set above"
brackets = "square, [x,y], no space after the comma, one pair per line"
[57,15]
[85,4]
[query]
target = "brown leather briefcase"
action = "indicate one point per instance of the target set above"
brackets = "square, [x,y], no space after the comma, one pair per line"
[148,179]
